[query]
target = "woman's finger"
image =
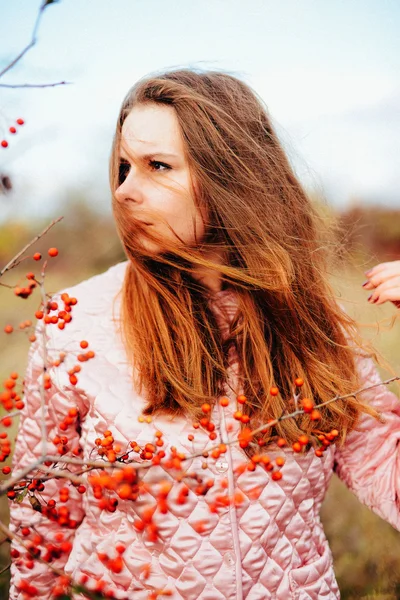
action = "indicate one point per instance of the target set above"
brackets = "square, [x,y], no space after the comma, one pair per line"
[381,266]
[382,273]
[391,294]
[393,282]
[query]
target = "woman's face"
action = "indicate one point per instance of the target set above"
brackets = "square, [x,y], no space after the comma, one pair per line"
[155,184]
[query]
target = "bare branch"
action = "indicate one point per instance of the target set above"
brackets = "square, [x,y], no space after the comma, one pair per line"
[4,569]
[33,85]
[31,43]
[14,261]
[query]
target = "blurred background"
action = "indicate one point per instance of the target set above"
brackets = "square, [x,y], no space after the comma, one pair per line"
[329,75]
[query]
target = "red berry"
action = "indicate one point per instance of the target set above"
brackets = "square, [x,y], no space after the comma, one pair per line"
[4,143]
[53,252]
[12,130]
[20,121]
[37,256]
[296,446]
[6,470]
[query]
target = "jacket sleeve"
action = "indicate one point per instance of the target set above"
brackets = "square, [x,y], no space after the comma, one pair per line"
[28,447]
[369,461]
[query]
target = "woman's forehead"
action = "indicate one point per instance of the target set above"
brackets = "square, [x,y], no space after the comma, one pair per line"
[152,128]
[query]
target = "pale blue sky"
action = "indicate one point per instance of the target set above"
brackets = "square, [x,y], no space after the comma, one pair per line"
[328,70]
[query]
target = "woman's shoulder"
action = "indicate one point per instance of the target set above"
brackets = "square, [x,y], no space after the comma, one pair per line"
[98,291]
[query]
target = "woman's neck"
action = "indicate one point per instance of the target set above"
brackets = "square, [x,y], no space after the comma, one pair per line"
[210,278]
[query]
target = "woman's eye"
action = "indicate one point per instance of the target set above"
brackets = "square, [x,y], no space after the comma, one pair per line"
[123,172]
[156,165]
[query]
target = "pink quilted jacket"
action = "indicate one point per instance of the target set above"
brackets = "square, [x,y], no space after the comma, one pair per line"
[268,547]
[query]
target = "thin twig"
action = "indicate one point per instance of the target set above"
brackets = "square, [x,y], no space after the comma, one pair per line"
[29,46]
[33,85]
[4,569]
[42,391]
[14,261]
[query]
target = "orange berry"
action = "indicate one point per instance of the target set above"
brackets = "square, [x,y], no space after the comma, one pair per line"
[241,399]
[276,475]
[274,391]
[299,382]
[307,405]
[124,491]
[303,439]
[206,408]
[296,447]
[37,256]
[281,442]
[280,461]
[53,252]
[224,402]
[39,314]
[315,415]
[84,344]
[8,329]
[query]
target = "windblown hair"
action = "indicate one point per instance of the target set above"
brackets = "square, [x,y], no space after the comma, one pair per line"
[288,323]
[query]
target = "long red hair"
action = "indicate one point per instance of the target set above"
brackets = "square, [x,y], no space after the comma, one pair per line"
[288,323]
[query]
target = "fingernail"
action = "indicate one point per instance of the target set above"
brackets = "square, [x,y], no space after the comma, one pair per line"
[369,297]
[376,300]
[365,283]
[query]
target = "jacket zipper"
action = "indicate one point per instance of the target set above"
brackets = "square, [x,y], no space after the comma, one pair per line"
[232,509]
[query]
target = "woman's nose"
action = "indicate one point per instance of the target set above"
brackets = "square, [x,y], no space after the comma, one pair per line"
[130,188]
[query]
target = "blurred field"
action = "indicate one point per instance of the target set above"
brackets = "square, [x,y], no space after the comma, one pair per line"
[366,550]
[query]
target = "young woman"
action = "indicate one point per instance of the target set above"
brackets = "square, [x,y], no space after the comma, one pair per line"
[223,295]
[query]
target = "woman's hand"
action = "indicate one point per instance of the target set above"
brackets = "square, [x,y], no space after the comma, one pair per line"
[384,280]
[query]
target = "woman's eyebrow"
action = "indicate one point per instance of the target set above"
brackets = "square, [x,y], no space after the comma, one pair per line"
[151,155]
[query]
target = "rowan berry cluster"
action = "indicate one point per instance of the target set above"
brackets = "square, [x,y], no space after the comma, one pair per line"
[25,326]
[114,564]
[10,399]
[13,130]
[64,586]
